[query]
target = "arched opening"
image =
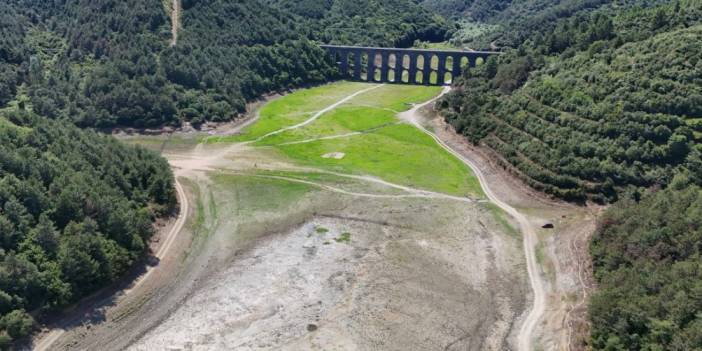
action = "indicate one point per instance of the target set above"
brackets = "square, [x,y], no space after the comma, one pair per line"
[449,63]
[405,76]
[448,78]
[420,62]
[405,61]
[351,63]
[434,62]
[479,61]
[433,77]
[392,61]
[364,66]
[337,57]
[391,76]
[419,77]
[464,62]
[377,75]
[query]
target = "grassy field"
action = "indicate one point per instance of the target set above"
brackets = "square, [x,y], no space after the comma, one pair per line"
[261,194]
[399,154]
[383,146]
[295,108]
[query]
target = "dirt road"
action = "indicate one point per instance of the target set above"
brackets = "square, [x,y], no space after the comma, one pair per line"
[525,333]
[175,21]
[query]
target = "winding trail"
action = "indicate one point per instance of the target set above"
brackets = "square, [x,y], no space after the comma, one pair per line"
[524,338]
[51,337]
[412,192]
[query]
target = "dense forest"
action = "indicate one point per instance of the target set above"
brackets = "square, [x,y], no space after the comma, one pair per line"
[77,212]
[108,63]
[592,104]
[647,256]
[600,100]
[475,10]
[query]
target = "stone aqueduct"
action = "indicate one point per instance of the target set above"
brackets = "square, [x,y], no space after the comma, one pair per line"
[404,66]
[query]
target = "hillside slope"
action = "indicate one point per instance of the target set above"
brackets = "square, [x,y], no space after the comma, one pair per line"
[591,108]
[77,212]
[107,63]
[646,255]
[602,102]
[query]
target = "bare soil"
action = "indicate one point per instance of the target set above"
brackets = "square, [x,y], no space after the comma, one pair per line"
[562,251]
[415,275]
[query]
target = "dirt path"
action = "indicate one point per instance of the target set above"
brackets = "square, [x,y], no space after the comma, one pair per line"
[319,113]
[524,338]
[45,343]
[175,22]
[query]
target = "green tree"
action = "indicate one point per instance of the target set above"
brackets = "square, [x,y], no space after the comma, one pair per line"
[17,323]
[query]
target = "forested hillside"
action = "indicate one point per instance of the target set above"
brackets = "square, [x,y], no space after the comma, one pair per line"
[77,212]
[107,63]
[601,100]
[648,263]
[592,104]
[476,10]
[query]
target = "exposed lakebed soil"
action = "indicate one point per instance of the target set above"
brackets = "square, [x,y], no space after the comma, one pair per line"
[277,255]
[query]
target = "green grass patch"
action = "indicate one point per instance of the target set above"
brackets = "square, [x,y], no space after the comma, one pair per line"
[343,120]
[388,149]
[343,238]
[399,154]
[294,108]
[502,219]
[321,230]
[261,194]
[396,97]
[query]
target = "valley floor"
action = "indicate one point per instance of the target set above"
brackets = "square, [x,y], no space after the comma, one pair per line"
[331,224]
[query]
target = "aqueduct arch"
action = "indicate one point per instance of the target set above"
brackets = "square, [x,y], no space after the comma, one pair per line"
[377,65]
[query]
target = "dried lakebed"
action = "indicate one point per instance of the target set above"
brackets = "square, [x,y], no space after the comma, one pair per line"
[392,246]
